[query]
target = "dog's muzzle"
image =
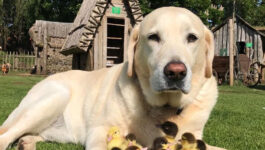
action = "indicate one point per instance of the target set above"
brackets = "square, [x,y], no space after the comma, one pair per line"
[175,71]
[173,77]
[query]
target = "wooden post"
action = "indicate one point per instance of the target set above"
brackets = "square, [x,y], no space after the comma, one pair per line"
[231,52]
[263,73]
[3,58]
[13,65]
[9,58]
[37,59]
[25,62]
[17,61]
[6,57]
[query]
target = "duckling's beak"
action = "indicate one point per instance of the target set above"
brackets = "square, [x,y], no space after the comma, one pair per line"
[109,138]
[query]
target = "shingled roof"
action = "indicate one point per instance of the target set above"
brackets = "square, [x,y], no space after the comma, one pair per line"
[88,20]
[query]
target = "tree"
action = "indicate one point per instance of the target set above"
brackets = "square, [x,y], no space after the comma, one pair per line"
[253,11]
[198,7]
[210,11]
[17,16]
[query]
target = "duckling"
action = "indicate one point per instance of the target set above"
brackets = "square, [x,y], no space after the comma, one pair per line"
[132,148]
[115,141]
[131,142]
[115,148]
[131,139]
[159,143]
[171,130]
[201,145]
[188,142]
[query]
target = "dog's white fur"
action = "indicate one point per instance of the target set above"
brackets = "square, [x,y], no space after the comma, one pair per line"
[79,106]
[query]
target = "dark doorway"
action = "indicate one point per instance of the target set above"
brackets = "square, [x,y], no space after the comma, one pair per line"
[115,41]
[241,47]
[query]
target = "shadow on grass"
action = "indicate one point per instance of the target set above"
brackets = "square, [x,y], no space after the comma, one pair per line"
[259,87]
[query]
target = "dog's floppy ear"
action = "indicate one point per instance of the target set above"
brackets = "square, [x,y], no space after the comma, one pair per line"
[134,36]
[209,53]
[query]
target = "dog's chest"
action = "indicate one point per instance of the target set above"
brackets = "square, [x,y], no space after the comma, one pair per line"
[146,127]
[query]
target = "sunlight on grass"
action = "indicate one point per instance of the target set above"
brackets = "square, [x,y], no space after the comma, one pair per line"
[238,120]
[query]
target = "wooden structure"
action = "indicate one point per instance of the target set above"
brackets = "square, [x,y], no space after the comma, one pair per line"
[247,41]
[47,39]
[100,33]
[19,62]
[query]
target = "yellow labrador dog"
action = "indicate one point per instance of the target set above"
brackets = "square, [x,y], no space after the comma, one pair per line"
[169,67]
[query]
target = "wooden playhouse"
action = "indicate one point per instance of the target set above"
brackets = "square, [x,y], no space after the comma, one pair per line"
[100,33]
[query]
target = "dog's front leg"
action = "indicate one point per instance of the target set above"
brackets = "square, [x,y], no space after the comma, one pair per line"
[96,138]
[192,119]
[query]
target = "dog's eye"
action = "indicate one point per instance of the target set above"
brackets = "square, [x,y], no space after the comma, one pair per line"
[154,37]
[191,38]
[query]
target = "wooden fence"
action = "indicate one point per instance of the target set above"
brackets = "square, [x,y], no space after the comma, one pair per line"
[19,62]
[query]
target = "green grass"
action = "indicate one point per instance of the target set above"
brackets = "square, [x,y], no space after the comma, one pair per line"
[236,123]
[12,90]
[238,119]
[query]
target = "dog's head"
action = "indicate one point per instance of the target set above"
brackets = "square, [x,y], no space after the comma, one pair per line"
[169,51]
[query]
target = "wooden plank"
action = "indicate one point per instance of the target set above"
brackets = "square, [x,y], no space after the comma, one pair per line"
[13,66]
[114,38]
[231,52]
[260,51]
[227,39]
[9,58]
[220,40]
[126,39]
[28,62]
[3,59]
[222,33]
[6,55]
[95,50]
[243,37]
[236,33]
[100,45]
[114,48]
[45,49]
[104,42]
[240,32]
[17,62]
[224,36]
[114,24]
[113,57]
[90,60]
[255,46]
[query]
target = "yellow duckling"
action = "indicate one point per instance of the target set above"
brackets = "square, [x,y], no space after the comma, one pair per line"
[188,142]
[132,144]
[159,143]
[115,140]
[171,130]
[131,140]
[201,145]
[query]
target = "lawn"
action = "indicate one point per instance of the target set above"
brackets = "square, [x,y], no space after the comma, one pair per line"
[236,123]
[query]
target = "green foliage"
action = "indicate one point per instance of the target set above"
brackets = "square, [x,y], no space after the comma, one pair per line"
[216,16]
[17,16]
[249,10]
[199,7]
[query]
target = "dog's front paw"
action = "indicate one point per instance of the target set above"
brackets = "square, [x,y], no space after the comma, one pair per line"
[209,147]
[3,144]
[26,143]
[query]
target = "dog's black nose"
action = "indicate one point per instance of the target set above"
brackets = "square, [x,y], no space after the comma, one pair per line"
[175,70]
